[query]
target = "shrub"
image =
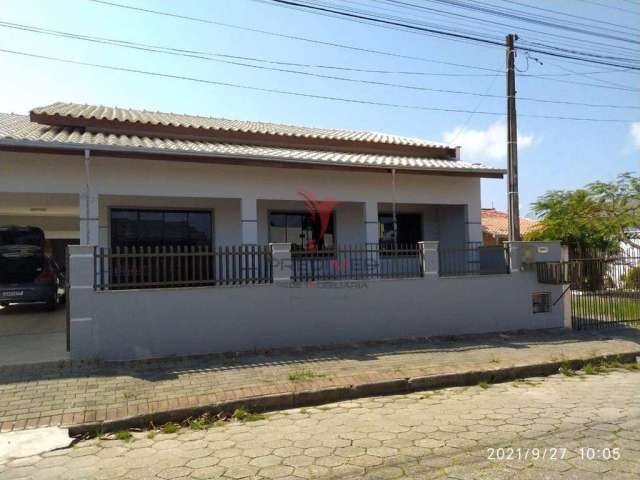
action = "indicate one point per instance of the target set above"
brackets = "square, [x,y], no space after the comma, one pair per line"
[631,279]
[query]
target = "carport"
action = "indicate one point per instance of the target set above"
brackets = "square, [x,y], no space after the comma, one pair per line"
[29,333]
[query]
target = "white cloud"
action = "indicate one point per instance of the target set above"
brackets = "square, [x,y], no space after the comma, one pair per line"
[635,134]
[488,145]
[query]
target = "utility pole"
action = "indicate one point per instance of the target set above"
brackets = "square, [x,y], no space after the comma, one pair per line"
[512,143]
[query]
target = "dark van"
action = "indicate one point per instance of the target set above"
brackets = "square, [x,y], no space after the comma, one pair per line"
[26,274]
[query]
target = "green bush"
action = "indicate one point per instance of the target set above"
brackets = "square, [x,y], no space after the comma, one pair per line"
[632,279]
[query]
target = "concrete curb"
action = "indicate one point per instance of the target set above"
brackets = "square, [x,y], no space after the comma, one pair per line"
[308,398]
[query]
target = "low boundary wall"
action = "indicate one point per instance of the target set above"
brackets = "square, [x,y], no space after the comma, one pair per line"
[129,324]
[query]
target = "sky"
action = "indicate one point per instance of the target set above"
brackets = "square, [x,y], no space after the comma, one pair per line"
[553,154]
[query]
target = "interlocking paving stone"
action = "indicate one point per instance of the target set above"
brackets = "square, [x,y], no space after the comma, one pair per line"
[55,396]
[277,447]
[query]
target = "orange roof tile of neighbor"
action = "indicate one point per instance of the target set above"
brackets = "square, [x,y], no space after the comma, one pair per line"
[122,132]
[496,223]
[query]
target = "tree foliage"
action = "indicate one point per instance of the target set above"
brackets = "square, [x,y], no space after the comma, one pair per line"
[598,216]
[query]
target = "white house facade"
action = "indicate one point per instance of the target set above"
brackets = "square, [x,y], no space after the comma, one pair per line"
[130,182]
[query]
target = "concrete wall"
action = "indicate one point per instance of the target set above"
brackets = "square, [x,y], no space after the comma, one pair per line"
[120,325]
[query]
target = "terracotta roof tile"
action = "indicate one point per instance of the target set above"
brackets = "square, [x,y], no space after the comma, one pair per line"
[496,222]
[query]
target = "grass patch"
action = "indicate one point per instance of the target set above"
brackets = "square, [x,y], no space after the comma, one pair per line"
[566,370]
[123,435]
[631,366]
[152,434]
[303,374]
[483,384]
[243,415]
[170,427]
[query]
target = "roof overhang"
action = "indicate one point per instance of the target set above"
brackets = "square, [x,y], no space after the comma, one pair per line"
[30,146]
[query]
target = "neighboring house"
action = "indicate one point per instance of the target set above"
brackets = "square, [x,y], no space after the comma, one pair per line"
[495,226]
[131,178]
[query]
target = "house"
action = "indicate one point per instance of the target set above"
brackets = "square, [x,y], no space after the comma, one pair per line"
[123,177]
[190,226]
[495,226]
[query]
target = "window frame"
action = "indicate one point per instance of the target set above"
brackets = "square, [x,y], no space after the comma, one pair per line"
[187,210]
[327,251]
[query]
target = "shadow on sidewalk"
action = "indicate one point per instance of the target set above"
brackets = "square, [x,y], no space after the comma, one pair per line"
[154,370]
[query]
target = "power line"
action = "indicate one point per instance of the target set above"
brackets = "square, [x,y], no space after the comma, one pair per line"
[602,47]
[571,15]
[113,41]
[175,52]
[301,94]
[572,54]
[604,5]
[523,17]
[292,37]
[329,44]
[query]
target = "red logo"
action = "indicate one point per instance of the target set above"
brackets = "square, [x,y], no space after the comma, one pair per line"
[320,212]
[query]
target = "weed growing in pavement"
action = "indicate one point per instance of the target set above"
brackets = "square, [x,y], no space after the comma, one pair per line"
[591,369]
[123,435]
[566,370]
[483,384]
[303,374]
[243,415]
[151,434]
[197,423]
[170,427]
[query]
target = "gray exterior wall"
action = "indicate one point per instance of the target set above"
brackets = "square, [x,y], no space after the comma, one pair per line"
[119,325]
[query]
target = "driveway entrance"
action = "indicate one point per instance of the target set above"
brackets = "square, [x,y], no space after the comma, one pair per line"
[31,334]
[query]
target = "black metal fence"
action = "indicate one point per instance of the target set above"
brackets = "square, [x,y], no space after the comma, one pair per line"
[474,259]
[357,262]
[181,266]
[604,289]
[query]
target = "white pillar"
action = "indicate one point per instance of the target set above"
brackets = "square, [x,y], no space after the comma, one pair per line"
[474,223]
[249,220]
[89,218]
[81,290]
[371,222]
[282,266]
[430,257]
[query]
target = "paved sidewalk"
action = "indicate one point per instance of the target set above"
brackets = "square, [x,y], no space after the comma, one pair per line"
[82,394]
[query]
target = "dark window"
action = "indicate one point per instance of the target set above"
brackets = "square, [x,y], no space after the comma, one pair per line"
[157,228]
[301,230]
[409,229]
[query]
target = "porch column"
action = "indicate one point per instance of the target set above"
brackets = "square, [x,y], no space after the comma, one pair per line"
[474,224]
[89,218]
[371,222]
[249,220]
[372,236]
